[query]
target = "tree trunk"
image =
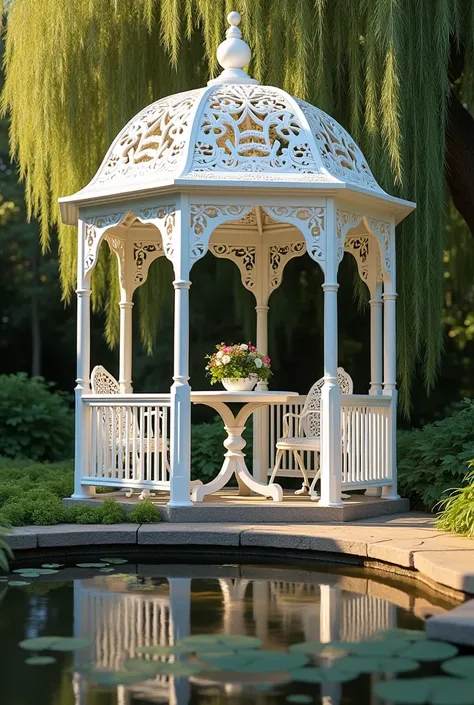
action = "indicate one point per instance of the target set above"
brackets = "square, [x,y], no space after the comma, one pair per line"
[460,159]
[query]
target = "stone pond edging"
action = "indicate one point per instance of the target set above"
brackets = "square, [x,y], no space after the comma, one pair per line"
[409,542]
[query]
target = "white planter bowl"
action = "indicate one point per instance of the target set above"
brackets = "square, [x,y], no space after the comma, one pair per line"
[243,384]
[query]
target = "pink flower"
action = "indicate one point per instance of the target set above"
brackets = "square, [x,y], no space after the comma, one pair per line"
[266,360]
[252,348]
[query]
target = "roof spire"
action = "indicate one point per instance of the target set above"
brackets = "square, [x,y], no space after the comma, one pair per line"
[233,54]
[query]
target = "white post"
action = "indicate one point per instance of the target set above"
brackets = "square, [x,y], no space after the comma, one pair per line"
[260,417]
[390,368]
[330,393]
[126,341]
[376,354]
[82,416]
[376,349]
[180,390]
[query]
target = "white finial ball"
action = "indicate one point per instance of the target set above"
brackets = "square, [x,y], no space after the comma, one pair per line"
[233,53]
[234,18]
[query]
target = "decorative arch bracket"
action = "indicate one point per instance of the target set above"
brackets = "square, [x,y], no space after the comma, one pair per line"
[206,217]
[310,221]
[95,228]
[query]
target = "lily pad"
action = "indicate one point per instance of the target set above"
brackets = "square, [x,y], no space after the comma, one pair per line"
[39,643]
[408,634]
[323,675]
[461,666]
[70,644]
[317,648]
[163,650]
[139,665]
[373,664]
[90,565]
[40,660]
[178,668]
[259,661]
[430,650]
[438,690]
[29,574]
[52,565]
[17,583]
[106,570]
[35,572]
[299,698]
[113,678]
[116,561]
[381,648]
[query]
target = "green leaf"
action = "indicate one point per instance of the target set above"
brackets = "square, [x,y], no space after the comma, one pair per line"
[90,565]
[438,690]
[40,660]
[333,674]
[52,565]
[461,666]
[70,644]
[163,650]
[17,583]
[430,650]
[115,561]
[373,664]
[39,643]
[379,648]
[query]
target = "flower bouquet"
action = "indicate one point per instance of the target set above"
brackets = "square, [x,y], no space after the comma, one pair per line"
[238,367]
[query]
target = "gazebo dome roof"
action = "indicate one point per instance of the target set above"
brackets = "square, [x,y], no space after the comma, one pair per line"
[230,131]
[233,132]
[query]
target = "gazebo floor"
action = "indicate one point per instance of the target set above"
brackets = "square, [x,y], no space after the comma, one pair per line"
[228,507]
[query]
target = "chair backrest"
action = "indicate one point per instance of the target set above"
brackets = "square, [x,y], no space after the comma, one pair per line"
[311,423]
[102,382]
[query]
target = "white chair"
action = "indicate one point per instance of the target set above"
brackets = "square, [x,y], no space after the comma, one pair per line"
[102,382]
[307,434]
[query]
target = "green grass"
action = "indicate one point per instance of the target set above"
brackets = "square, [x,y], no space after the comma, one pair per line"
[31,493]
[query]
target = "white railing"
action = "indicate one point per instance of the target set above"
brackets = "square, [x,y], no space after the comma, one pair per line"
[126,440]
[366,440]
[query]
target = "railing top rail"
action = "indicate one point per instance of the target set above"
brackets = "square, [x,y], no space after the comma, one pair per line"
[365,400]
[126,399]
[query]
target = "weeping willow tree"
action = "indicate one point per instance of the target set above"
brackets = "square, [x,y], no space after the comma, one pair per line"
[395,73]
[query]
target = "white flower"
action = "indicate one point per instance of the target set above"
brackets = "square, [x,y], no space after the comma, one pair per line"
[258,362]
[218,363]
[244,346]
[219,354]
[225,359]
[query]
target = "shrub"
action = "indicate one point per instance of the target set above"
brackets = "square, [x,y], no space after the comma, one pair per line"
[457,510]
[34,421]
[112,512]
[144,513]
[47,511]
[434,459]
[88,515]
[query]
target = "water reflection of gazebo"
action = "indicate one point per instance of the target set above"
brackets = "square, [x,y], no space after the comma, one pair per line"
[252,174]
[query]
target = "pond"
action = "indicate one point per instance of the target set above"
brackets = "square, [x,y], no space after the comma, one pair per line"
[134,632]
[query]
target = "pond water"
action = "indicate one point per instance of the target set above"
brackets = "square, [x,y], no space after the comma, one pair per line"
[232,630]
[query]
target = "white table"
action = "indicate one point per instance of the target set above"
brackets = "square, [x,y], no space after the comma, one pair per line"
[234,458]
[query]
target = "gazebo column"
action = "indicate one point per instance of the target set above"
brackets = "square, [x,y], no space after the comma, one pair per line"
[390,371]
[126,340]
[180,390]
[376,349]
[330,393]
[81,442]
[376,354]
[260,417]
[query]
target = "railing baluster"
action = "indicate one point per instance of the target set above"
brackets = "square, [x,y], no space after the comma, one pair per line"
[134,443]
[120,440]
[126,458]
[141,443]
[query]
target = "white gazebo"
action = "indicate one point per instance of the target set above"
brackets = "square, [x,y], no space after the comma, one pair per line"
[255,175]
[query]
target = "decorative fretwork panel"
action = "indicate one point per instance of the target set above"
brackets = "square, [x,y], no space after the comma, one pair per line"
[95,227]
[164,218]
[251,128]
[154,141]
[339,153]
[310,220]
[279,255]
[244,257]
[204,218]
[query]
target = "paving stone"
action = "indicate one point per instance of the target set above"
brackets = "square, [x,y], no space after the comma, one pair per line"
[457,625]
[448,566]
[307,539]
[86,534]
[22,538]
[190,534]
